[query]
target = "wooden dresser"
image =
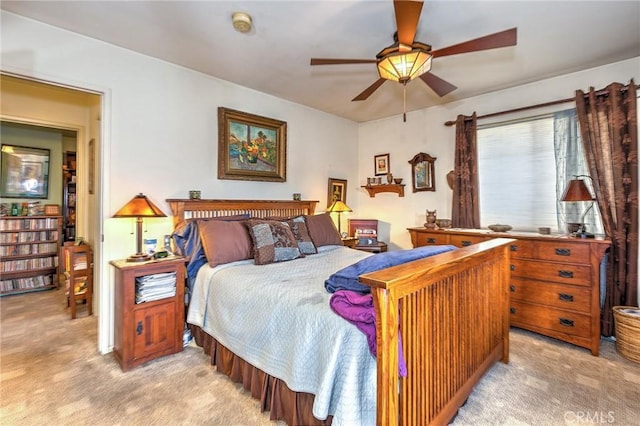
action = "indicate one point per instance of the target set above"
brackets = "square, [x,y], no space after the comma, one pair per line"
[555,280]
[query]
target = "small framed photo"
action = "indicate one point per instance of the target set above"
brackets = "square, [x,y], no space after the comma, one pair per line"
[381,164]
[337,191]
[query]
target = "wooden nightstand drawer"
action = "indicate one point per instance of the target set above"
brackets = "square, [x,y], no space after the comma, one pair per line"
[544,317]
[557,295]
[154,329]
[563,251]
[552,271]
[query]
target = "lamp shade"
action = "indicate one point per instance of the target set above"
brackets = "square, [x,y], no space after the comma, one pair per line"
[576,190]
[139,206]
[338,207]
[404,66]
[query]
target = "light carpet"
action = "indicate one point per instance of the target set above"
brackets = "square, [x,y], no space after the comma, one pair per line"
[51,373]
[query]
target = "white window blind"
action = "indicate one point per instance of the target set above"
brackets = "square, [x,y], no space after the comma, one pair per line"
[517,174]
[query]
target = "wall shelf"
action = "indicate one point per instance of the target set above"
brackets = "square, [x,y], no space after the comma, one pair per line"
[391,187]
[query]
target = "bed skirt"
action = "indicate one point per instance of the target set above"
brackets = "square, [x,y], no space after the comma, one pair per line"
[294,408]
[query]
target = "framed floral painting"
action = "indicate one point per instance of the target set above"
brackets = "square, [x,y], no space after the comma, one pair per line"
[251,147]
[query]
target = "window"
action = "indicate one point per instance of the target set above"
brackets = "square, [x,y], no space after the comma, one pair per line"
[522,174]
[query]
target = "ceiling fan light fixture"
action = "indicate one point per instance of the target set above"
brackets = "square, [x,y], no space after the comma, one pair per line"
[404,66]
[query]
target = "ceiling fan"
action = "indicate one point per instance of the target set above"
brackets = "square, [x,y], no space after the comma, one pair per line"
[407,58]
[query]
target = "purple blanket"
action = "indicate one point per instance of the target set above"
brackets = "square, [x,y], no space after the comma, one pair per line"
[358,309]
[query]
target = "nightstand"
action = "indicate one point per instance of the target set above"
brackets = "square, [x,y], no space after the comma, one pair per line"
[149,327]
[350,242]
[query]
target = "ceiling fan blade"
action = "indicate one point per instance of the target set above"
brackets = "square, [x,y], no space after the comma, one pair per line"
[438,85]
[492,41]
[328,61]
[369,90]
[407,16]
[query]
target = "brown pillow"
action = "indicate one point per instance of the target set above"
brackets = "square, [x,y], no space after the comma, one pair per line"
[273,241]
[225,241]
[322,230]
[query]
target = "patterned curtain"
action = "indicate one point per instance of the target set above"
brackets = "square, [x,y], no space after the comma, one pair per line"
[609,129]
[466,202]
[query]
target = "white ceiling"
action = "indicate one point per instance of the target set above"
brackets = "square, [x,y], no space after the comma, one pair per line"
[554,38]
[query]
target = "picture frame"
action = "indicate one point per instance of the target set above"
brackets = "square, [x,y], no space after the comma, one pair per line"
[423,172]
[92,166]
[251,147]
[337,190]
[25,172]
[381,164]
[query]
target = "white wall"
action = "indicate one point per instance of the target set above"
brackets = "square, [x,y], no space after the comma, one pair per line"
[425,131]
[160,134]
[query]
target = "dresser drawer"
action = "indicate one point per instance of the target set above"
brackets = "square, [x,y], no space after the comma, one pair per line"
[563,251]
[552,271]
[521,249]
[535,316]
[424,239]
[576,298]
[465,240]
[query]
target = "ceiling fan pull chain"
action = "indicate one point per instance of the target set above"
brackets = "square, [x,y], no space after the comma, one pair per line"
[404,107]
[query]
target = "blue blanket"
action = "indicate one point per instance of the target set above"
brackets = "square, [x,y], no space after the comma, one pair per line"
[347,278]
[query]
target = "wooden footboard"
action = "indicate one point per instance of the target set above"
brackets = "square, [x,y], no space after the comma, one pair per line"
[452,312]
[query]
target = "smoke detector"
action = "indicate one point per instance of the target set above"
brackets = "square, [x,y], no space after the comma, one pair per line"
[241,22]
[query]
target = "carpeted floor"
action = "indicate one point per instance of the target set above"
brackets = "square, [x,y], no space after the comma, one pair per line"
[50,373]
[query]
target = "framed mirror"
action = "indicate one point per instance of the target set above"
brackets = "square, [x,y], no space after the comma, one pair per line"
[423,172]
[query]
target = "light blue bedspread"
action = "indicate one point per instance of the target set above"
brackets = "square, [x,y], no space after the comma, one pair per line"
[277,317]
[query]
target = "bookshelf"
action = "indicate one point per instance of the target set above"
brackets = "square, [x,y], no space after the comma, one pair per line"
[29,253]
[69,196]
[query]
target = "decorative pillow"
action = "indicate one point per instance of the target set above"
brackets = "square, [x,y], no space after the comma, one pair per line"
[322,230]
[273,241]
[298,226]
[225,240]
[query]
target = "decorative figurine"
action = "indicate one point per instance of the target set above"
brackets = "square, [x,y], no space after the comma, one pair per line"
[431,219]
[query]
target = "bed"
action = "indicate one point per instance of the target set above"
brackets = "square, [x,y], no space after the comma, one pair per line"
[449,311]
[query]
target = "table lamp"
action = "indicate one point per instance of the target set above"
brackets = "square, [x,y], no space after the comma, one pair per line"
[338,207]
[575,191]
[139,206]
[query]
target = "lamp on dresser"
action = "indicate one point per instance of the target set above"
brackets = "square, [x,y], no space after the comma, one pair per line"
[577,191]
[139,206]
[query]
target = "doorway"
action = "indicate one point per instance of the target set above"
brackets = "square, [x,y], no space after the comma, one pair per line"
[29,102]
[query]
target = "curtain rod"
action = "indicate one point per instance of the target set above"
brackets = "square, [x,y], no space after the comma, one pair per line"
[560,101]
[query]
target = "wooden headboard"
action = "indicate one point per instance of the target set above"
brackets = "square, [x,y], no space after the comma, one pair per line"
[188,209]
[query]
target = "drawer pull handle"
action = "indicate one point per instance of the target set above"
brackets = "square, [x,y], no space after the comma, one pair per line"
[139,328]
[565,274]
[431,240]
[512,288]
[513,247]
[512,310]
[563,252]
[565,297]
[566,322]
[512,267]
[466,243]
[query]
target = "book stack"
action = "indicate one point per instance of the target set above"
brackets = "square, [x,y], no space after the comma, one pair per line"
[155,287]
